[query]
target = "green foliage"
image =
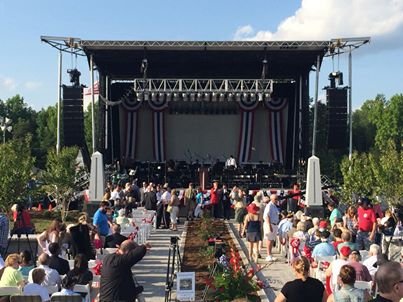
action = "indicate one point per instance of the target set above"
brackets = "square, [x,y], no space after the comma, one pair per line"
[88,125]
[207,229]
[16,164]
[60,176]
[377,173]
[46,132]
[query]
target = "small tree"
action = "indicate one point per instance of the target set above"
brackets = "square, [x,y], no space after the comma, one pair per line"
[60,177]
[16,165]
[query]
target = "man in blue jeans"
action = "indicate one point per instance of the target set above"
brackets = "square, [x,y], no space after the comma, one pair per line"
[101,221]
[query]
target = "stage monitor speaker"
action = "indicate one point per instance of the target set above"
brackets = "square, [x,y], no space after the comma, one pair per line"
[73,116]
[337,118]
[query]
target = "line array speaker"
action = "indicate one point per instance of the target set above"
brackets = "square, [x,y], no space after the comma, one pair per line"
[73,116]
[337,117]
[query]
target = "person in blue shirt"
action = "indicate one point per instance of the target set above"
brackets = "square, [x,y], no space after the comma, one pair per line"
[324,248]
[101,221]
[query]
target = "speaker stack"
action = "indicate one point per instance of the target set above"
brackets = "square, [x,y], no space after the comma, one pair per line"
[337,117]
[73,116]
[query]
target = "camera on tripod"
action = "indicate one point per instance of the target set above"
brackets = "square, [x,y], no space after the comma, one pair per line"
[174,240]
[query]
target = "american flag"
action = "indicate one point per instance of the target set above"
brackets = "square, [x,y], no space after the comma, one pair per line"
[87,91]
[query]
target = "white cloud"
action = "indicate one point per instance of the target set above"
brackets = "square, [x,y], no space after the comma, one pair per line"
[7,83]
[32,85]
[324,20]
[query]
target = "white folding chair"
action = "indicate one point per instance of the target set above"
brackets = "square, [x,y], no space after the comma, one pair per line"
[10,290]
[320,272]
[83,289]
[110,250]
[71,263]
[52,289]
[364,254]
[363,285]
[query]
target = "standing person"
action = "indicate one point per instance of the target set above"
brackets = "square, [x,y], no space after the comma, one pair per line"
[35,288]
[230,163]
[350,221]
[117,282]
[347,292]
[270,226]
[226,202]
[334,213]
[100,220]
[366,225]
[214,200]
[165,199]
[240,208]
[294,201]
[303,288]
[252,227]
[52,234]
[4,228]
[80,237]
[150,198]
[174,203]
[190,201]
[389,280]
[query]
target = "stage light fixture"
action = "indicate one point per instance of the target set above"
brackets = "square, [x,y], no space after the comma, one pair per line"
[140,96]
[154,96]
[207,96]
[146,96]
[260,96]
[245,96]
[222,97]
[230,97]
[169,97]
[238,97]
[214,96]
[161,96]
[199,96]
[176,96]
[253,97]
[193,97]
[185,97]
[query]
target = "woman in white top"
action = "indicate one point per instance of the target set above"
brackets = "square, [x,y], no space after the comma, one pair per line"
[52,234]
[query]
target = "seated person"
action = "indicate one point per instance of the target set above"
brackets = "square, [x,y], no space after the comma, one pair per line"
[52,277]
[324,248]
[68,284]
[337,238]
[346,237]
[26,263]
[115,239]
[35,288]
[55,262]
[122,219]
[11,275]
[80,272]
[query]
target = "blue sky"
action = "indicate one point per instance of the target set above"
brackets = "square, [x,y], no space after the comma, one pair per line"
[29,67]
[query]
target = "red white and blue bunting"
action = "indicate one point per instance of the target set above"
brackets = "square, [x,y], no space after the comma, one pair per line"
[128,133]
[158,103]
[277,122]
[246,136]
[159,136]
[248,103]
[130,102]
[275,104]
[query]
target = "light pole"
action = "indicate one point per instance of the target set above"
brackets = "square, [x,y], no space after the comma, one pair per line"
[5,125]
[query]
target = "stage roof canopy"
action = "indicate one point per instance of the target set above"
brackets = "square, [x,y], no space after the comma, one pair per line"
[204,59]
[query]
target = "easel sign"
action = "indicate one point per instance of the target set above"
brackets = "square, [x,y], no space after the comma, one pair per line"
[185,286]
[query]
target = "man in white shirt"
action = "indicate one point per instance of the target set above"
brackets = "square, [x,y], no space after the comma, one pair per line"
[35,288]
[52,277]
[270,226]
[231,162]
[374,251]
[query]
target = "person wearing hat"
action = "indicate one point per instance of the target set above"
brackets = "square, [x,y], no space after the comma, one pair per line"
[333,270]
[252,226]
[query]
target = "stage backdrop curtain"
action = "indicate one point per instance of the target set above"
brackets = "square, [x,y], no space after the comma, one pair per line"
[128,120]
[277,116]
[158,105]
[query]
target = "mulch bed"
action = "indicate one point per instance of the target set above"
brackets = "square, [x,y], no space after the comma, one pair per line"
[192,259]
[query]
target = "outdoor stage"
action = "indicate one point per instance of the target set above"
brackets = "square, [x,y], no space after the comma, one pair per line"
[204,101]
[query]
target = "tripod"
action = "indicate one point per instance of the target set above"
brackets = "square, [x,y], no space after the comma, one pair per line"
[174,258]
[19,229]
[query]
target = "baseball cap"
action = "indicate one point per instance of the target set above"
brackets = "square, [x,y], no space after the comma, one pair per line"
[345,251]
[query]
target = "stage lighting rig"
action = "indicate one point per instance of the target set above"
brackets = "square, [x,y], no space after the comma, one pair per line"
[74,76]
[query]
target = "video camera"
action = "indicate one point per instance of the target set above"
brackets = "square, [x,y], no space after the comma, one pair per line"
[174,239]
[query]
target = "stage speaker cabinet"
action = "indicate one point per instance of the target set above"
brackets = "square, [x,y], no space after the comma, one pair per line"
[73,116]
[337,118]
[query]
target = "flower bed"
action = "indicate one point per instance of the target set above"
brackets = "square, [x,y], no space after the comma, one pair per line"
[231,279]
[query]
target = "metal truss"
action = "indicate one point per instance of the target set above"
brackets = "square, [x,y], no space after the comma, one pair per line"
[342,45]
[206,85]
[206,44]
[65,44]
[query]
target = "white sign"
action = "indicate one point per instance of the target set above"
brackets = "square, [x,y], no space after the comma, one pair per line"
[313,195]
[185,286]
